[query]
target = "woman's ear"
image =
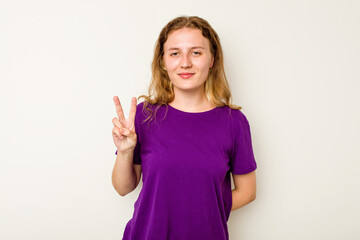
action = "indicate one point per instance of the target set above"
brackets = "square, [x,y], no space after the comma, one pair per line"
[212,61]
[162,64]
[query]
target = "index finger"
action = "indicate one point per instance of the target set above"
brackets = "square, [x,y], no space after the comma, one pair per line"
[119,110]
[132,110]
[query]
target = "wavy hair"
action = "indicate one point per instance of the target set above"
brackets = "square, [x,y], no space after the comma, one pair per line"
[161,90]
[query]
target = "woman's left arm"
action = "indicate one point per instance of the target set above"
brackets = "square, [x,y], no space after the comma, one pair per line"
[244,191]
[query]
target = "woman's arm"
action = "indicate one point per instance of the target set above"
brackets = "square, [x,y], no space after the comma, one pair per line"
[244,191]
[124,177]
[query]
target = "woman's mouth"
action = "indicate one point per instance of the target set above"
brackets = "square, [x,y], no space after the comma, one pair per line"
[186,75]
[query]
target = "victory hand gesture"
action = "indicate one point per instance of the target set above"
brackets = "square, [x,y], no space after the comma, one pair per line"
[124,129]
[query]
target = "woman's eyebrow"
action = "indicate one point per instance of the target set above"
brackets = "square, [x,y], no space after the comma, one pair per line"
[175,48]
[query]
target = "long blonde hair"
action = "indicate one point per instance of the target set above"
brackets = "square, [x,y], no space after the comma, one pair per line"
[161,90]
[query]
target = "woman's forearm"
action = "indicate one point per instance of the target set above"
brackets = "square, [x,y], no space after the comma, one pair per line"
[241,198]
[123,175]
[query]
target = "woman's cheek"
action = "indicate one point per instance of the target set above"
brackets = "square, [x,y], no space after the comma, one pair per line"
[201,64]
[173,63]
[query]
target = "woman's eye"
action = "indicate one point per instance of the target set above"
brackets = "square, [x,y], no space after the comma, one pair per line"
[174,54]
[196,53]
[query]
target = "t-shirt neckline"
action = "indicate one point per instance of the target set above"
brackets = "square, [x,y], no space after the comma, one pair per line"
[192,113]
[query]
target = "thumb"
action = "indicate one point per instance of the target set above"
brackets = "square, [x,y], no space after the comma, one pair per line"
[124,131]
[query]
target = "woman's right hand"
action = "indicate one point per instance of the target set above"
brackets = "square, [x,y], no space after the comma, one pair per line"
[123,132]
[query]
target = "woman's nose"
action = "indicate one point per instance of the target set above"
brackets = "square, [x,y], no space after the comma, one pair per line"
[185,61]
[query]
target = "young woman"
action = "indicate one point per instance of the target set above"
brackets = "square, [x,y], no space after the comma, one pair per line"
[186,138]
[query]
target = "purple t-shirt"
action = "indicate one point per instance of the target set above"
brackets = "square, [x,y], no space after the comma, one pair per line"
[186,162]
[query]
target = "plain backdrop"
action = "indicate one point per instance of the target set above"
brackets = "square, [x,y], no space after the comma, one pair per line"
[292,65]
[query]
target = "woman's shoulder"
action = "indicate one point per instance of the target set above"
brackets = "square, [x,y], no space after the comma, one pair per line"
[140,106]
[145,106]
[233,113]
[145,110]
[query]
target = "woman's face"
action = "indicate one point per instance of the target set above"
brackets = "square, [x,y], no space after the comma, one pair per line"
[187,59]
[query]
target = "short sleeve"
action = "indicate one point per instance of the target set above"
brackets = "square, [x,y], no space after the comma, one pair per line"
[242,158]
[136,156]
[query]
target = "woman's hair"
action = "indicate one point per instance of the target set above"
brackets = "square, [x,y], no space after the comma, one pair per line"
[161,90]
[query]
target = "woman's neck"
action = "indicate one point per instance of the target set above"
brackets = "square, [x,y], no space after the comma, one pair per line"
[191,102]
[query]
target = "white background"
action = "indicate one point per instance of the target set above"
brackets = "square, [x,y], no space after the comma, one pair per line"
[292,65]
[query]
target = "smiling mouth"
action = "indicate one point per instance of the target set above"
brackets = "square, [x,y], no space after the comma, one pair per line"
[186,75]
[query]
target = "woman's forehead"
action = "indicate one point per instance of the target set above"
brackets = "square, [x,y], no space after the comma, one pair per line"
[186,38]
